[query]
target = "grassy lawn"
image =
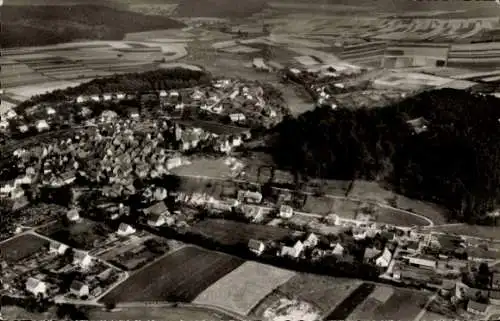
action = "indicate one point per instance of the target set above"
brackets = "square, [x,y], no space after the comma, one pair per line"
[20,247]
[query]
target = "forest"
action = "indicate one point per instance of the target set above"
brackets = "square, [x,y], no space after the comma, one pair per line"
[449,154]
[46,25]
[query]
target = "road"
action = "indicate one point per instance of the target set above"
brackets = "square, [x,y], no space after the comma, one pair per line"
[424,308]
[430,222]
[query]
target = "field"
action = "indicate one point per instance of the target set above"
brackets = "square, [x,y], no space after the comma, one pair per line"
[242,289]
[223,231]
[401,305]
[178,277]
[214,127]
[158,313]
[470,230]
[20,247]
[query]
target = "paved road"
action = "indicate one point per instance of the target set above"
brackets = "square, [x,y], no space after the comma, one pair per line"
[430,222]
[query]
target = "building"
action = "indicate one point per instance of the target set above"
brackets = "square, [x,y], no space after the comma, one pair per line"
[79,289]
[311,241]
[237,117]
[384,259]
[476,307]
[157,209]
[255,213]
[370,254]
[156,220]
[422,262]
[447,288]
[58,248]
[338,250]
[174,162]
[95,98]
[107,97]
[42,125]
[36,287]
[50,111]
[494,297]
[81,99]
[286,211]
[249,197]
[256,246]
[125,230]
[82,259]
[73,215]
[293,251]
[419,125]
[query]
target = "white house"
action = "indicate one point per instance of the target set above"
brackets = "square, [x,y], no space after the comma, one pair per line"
[174,94]
[57,248]
[237,141]
[120,96]
[163,93]
[107,97]
[311,241]
[50,111]
[36,287]
[156,220]
[125,230]
[42,125]
[237,117]
[217,109]
[82,259]
[179,106]
[249,196]
[23,128]
[95,98]
[384,259]
[81,99]
[338,249]
[73,215]
[256,246]
[286,211]
[7,187]
[294,251]
[174,162]
[79,289]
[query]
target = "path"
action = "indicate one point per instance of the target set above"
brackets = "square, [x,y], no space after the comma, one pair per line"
[430,222]
[424,309]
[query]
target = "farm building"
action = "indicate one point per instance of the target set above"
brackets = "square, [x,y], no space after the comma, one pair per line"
[79,289]
[36,287]
[58,248]
[249,197]
[286,211]
[422,262]
[256,246]
[476,307]
[384,259]
[73,215]
[82,259]
[311,241]
[293,251]
[370,254]
[125,230]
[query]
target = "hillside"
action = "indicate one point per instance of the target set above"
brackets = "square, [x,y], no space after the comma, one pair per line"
[454,161]
[45,25]
[219,8]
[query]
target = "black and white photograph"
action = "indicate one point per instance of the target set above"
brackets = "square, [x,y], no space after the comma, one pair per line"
[250,160]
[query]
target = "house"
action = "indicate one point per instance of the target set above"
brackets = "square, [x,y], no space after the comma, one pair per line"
[120,96]
[163,94]
[179,106]
[8,187]
[476,307]
[217,109]
[125,230]
[82,259]
[42,125]
[237,117]
[338,250]
[311,241]
[159,208]
[95,98]
[107,97]
[286,211]
[156,220]
[79,289]
[293,251]
[256,246]
[384,259]
[68,177]
[36,287]
[256,213]
[422,262]
[50,111]
[58,248]
[23,128]
[249,196]
[133,113]
[419,125]
[174,94]
[73,215]
[370,254]
[81,99]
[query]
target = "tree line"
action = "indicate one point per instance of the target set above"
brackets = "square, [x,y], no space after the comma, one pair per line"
[454,160]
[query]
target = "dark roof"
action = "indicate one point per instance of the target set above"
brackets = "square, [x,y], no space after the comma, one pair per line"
[77,285]
[477,306]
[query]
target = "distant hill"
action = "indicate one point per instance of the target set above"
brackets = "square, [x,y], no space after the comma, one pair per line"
[44,25]
[219,8]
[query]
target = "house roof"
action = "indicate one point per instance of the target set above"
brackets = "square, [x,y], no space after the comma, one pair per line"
[370,253]
[33,283]
[79,255]
[77,285]
[124,227]
[477,306]
[73,213]
[254,244]
[158,208]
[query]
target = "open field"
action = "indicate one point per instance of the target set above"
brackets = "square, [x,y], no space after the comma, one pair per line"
[158,313]
[20,247]
[202,167]
[403,305]
[470,230]
[214,127]
[223,231]
[11,312]
[242,289]
[178,277]
[25,92]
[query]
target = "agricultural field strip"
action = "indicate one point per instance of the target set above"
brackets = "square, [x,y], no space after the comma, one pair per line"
[242,289]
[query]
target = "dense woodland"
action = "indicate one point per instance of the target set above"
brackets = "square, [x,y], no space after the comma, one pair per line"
[455,162]
[46,25]
[127,83]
